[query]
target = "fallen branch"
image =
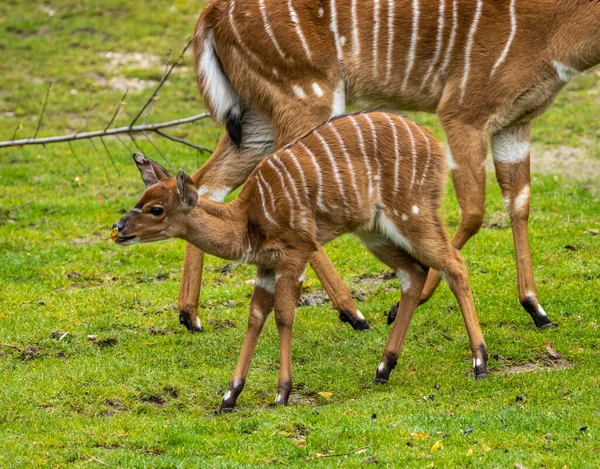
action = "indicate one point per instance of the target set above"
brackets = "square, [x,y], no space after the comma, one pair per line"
[355,451]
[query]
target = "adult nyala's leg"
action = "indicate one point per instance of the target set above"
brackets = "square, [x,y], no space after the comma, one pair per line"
[261,305]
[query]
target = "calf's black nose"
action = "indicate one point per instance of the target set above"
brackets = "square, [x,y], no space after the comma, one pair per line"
[119,225]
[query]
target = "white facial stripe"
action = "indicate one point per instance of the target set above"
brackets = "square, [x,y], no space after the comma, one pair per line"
[355,37]
[136,210]
[333,163]
[348,162]
[296,21]
[506,148]
[336,35]
[428,161]
[388,62]
[469,47]
[284,189]
[264,206]
[565,73]
[513,31]
[263,11]
[413,43]
[364,153]
[439,43]
[320,202]
[522,200]
[375,35]
[405,280]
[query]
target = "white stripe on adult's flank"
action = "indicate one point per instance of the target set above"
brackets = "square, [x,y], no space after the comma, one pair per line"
[361,141]
[375,35]
[268,29]
[284,189]
[413,42]
[320,202]
[439,42]
[262,199]
[299,32]
[355,36]
[414,150]
[469,47]
[388,62]
[336,171]
[397,156]
[513,31]
[334,29]
[448,54]
[238,37]
[348,162]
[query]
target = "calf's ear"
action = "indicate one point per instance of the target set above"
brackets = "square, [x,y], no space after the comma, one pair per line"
[150,170]
[187,191]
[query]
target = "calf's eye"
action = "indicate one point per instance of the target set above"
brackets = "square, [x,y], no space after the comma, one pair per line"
[156,211]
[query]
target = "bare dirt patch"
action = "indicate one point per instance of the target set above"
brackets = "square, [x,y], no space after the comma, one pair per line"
[551,362]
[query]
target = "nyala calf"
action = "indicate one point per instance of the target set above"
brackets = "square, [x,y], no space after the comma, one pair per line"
[377,175]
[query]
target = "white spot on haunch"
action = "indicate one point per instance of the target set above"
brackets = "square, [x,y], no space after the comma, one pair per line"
[564,72]
[404,277]
[299,92]
[415,210]
[317,89]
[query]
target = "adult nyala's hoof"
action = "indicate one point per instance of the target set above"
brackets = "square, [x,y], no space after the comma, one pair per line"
[377,381]
[357,324]
[391,315]
[537,313]
[226,410]
[192,324]
[480,365]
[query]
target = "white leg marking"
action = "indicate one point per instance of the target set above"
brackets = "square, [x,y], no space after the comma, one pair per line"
[404,277]
[513,31]
[375,35]
[469,47]
[448,54]
[397,157]
[299,91]
[375,153]
[404,217]
[267,283]
[268,29]
[227,395]
[451,163]
[317,89]
[320,202]
[360,315]
[339,99]
[565,73]
[197,323]
[381,367]
[364,153]
[390,41]
[477,362]
[388,229]
[522,199]
[333,163]
[348,162]
[507,149]
[413,43]
[355,37]
[439,43]
[284,189]
[264,206]
[428,161]
[336,34]
[296,21]
[220,94]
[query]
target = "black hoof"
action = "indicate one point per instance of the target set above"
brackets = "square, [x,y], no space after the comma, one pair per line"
[480,376]
[379,381]
[357,324]
[186,319]
[480,365]
[226,410]
[537,313]
[392,313]
[547,325]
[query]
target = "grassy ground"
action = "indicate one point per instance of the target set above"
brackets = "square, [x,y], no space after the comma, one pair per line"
[143,392]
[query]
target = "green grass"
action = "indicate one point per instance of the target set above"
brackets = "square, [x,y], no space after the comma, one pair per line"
[144,392]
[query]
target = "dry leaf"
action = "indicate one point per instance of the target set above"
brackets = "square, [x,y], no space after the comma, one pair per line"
[100,199]
[592,232]
[486,447]
[325,395]
[361,451]
[301,443]
[470,453]
[437,445]
[419,436]
[553,353]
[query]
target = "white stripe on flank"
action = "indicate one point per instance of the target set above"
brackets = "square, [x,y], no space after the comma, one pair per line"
[271,196]
[299,32]
[348,161]
[375,153]
[268,29]
[414,150]
[390,40]
[239,39]
[468,48]
[264,206]
[279,163]
[439,43]
[284,189]
[448,54]
[333,163]
[320,202]
[413,42]
[375,35]
[428,161]
[364,153]
[513,31]
[355,38]
[300,172]
[336,34]
[397,156]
